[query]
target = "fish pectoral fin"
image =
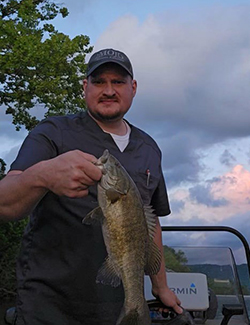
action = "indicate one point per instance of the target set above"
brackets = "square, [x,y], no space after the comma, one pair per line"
[153,259]
[94,217]
[150,219]
[108,275]
[113,195]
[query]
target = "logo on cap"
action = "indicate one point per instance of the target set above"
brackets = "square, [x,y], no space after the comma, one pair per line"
[109,54]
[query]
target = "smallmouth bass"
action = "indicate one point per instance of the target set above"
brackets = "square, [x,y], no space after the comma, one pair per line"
[128,230]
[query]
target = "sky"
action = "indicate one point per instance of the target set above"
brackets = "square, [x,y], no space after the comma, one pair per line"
[191,60]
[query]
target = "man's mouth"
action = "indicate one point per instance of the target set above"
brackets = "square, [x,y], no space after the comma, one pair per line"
[108,100]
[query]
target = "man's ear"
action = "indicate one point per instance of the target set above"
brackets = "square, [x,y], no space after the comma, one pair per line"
[134,86]
[85,84]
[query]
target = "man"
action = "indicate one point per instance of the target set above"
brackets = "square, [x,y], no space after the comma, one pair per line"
[54,180]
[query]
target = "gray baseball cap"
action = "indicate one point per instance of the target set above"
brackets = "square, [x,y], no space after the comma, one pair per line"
[106,56]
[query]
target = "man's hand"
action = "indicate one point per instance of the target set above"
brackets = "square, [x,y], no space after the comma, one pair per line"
[169,299]
[70,174]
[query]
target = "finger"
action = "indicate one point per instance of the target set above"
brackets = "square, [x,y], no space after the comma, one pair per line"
[85,180]
[91,171]
[165,313]
[82,193]
[82,187]
[78,193]
[178,309]
[178,302]
[175,307]
[88,157]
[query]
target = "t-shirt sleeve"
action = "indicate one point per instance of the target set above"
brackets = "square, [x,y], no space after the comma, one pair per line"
[42,143]
[160,200]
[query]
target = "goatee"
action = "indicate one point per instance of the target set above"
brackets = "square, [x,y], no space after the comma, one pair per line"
[106,118]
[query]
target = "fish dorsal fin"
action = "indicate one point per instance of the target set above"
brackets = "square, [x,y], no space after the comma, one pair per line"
[94,217]
[150,219]
[107,274]
[153,258]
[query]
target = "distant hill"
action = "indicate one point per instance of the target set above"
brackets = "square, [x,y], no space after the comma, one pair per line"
[244,275]
[224,272]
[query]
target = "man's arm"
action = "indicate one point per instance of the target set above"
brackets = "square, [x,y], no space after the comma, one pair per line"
[160,288]
[69,174]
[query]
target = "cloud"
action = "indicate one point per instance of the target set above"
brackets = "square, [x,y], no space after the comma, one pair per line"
[235,186]
[180,160]
[202,195]
[10,139]
[10,155]
[193,75]
[227,158]
[193,78]
[217,201]
[177,205]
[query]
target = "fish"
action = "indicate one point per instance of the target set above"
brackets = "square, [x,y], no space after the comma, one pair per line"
[128,229]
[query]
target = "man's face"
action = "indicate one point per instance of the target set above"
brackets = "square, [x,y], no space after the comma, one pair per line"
[109,93]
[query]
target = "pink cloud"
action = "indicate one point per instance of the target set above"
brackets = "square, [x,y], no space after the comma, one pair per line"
[234,186]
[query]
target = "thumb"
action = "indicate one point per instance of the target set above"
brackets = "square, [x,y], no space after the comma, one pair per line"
[178,309]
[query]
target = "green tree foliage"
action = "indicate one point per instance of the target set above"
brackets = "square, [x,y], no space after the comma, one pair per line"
[10,238]
[38,64]
[2,168]
[175,261]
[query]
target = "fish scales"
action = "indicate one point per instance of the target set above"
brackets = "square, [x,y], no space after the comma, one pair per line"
[128,235]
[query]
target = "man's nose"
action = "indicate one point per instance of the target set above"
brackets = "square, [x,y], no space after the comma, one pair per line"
[109,90]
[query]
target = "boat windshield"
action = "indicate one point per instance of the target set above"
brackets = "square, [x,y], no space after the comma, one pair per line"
[227,283]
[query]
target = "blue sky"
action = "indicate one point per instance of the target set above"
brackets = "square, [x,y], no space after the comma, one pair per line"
[94,16]
[192,63]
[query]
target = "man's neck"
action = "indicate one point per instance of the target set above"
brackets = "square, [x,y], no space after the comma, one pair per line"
[118,127]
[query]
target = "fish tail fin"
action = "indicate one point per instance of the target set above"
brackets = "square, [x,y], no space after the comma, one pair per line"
[134,318]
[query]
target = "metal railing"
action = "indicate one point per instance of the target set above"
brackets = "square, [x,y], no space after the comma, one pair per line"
[214,229]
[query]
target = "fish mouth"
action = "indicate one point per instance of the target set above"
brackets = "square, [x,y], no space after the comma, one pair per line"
[105,156]
[101,161]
